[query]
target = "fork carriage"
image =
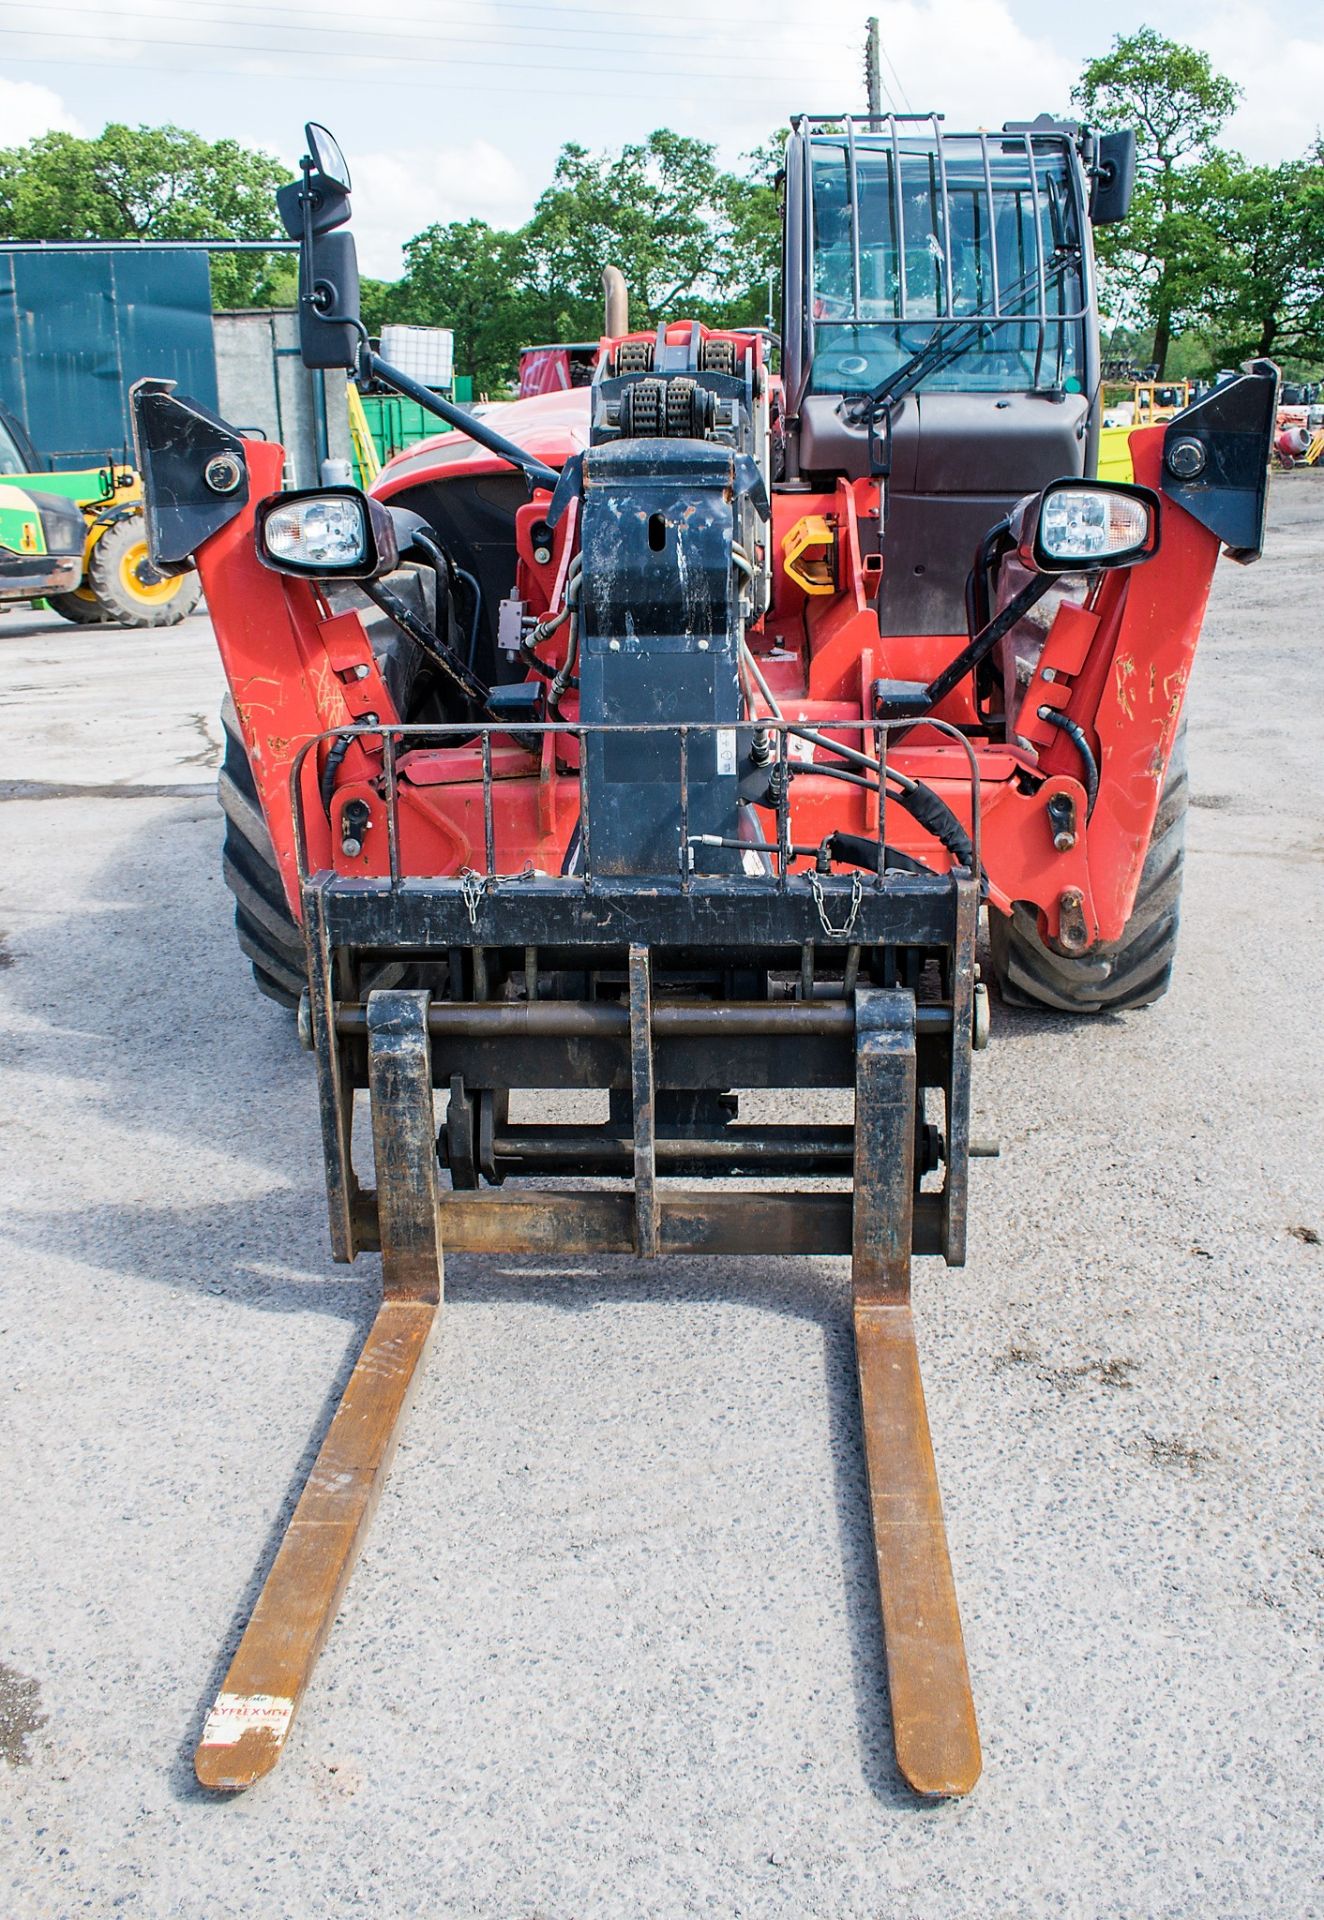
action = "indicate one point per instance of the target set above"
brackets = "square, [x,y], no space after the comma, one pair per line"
[670,994]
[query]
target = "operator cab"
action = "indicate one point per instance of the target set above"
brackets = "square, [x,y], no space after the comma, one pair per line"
[938,285]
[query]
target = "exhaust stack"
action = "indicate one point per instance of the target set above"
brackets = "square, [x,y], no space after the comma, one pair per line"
[616,301]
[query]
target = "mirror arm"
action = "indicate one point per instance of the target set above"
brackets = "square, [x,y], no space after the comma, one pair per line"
[535,471]
[911,700]
[984,642]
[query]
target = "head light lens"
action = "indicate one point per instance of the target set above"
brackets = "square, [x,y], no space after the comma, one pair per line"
[326,531]
[1080,524]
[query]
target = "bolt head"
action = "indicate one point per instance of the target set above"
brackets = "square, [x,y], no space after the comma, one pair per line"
[1186,458]
[223,472]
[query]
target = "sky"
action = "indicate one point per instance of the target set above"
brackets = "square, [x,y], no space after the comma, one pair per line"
[449,109]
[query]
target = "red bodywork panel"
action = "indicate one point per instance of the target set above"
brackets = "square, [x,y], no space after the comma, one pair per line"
[544,370]
[555,369]
[1119,668]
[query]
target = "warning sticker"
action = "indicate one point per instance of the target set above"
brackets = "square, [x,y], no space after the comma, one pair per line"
[236,1714]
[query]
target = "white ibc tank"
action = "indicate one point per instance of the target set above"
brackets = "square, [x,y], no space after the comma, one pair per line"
[426,353]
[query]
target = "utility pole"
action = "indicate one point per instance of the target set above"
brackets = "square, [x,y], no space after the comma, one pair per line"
[872,82]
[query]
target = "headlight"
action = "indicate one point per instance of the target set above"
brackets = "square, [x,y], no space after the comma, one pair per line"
[1090,526]
[1081,525]
[333,531]
[319,533]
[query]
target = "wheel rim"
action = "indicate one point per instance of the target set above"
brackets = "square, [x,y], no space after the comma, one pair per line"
[140,580]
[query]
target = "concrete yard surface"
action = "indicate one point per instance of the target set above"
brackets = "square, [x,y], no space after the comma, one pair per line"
[612,1649]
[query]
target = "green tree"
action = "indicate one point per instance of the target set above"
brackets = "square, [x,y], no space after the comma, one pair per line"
[655,210]
[689,236]
[1177,104]
[467,276]
[753,212]
[1255,269]
[148,183]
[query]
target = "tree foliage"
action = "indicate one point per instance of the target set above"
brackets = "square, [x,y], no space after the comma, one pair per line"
[1227,259]
[689,236]
[470,277]
[1254,276]
[147,183]
[1177,105]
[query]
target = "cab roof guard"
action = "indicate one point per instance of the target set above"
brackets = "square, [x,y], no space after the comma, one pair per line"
[911,137]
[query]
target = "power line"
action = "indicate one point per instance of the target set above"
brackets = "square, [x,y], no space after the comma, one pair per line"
[896,76]
[547,19]
[411,41]
[411,58]
[355,79]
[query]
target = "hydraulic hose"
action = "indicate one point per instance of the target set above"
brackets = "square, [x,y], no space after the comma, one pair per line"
[1076,735]
[475,618]
[923,805]
[444,565]
[326,786]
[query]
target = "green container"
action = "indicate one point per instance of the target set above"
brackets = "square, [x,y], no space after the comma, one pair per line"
[396,423]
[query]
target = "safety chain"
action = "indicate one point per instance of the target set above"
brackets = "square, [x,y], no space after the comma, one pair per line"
[844,931]
[471,887]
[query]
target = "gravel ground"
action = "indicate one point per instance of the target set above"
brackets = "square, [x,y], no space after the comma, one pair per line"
[612,1647]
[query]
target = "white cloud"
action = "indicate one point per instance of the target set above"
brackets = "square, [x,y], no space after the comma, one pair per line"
[397,194]
[1282,83]
[27,109]
[966,59]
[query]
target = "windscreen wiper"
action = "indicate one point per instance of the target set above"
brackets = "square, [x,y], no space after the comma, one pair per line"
[947,344]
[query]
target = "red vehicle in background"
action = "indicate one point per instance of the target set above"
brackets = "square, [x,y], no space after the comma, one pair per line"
[554,369]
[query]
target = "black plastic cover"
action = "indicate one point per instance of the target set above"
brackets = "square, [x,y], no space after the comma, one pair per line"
[175,441]
[328,312]
[1234,427]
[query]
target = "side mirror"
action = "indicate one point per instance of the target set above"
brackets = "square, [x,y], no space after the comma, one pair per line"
[1114,178]
[1083,526]
[319,199]
[327,158]
[329,328]
[311,208]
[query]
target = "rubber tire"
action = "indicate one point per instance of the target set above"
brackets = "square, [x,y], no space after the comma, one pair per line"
[79,608]
[1131,972]
[268,934]
[119,604]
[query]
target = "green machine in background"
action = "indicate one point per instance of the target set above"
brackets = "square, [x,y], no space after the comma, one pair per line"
[77,542]
[42,531]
